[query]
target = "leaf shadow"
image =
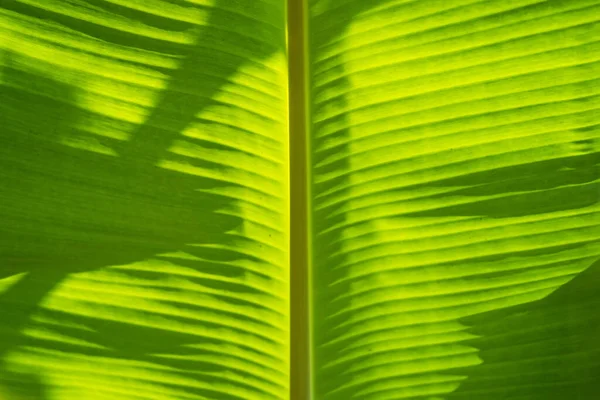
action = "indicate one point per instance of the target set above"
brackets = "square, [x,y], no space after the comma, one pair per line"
[21,386]
[66,210]
[547,349]
[525,189]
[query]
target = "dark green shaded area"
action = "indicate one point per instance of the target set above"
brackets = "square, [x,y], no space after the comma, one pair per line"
[526,189]
[548,349]
[66,210]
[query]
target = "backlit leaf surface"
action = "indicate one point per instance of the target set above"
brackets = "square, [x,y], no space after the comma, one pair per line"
[454,171]
[143,200]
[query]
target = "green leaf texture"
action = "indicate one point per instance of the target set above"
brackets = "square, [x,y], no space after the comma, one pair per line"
[143,200]
[455,146]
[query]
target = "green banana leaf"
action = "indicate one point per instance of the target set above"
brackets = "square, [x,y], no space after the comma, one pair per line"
[149,156]
[455,171]
[143,200]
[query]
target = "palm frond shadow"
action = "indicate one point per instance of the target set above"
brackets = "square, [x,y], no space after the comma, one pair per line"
[66,210]
[548,349]
[526,189]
